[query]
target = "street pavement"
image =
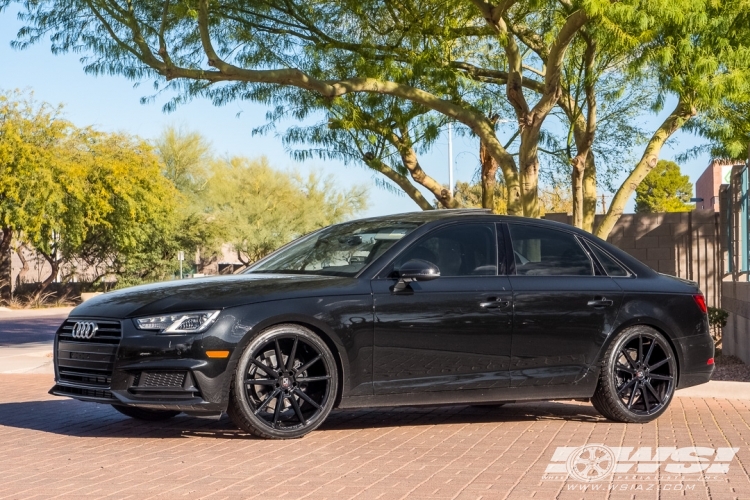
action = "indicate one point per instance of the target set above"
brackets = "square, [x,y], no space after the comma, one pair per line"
[63,448]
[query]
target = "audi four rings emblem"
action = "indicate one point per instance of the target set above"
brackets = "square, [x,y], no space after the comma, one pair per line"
[84,330]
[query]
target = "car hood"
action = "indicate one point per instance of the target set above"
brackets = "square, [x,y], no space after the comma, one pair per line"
[209,293]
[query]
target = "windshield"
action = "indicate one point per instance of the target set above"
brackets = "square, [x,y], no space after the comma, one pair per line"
[341,250]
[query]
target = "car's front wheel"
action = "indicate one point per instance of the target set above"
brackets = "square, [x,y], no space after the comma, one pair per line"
[638,376]
[285,383]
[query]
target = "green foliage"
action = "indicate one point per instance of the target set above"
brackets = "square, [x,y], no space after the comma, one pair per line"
[260,208]
[664,189]
[717,320]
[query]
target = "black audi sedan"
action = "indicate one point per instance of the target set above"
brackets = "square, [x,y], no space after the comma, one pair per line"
[429,308]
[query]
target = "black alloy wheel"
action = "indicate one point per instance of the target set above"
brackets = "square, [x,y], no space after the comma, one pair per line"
[285,384]
[147,414]
[638,377]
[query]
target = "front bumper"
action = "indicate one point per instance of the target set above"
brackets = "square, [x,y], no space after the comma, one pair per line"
[126,366]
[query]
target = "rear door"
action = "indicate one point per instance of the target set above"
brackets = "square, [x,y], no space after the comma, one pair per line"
[564,306]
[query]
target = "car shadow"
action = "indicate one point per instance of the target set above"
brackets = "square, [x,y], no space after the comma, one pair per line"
[77,419]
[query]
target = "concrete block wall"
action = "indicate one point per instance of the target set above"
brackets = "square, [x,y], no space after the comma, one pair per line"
[685,244]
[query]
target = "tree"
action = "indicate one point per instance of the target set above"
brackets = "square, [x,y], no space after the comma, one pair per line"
[108,208]
[262,208]
[29,132]
[664,189]
[456,59]
[185,157]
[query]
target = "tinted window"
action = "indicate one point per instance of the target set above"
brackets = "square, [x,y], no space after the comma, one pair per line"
[540,251]
[457,250]
[610,264]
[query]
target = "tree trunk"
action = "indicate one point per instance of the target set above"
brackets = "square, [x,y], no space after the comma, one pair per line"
[528,160]
[21,278]
[5,265]
[681,114]
[589,194]
[489,176]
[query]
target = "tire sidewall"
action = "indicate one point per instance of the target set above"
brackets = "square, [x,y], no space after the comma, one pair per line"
[238,385]
[611,380]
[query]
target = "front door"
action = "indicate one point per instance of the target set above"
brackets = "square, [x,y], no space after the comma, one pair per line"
[450,333]
[564,307]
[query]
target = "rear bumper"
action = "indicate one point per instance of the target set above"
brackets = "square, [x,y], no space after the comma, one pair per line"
[696,351]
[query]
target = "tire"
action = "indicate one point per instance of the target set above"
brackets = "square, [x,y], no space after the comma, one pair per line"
[638,377]
[286,400]
[146,413]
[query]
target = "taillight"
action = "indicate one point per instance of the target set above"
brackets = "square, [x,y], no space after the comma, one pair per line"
[701,301]
[710,361]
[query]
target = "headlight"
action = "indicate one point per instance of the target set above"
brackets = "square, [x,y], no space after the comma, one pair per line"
[193,322]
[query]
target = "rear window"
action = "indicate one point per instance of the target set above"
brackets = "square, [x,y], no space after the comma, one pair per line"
[608,262]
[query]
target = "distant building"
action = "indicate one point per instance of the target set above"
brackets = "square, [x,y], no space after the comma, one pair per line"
[707,187]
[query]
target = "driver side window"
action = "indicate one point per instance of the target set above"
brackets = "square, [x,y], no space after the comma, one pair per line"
[457,250]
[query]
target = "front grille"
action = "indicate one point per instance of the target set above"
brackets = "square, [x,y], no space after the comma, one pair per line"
[88,363]
[161,379]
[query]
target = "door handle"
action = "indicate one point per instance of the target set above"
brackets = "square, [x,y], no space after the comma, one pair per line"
[495,304]
[603,302]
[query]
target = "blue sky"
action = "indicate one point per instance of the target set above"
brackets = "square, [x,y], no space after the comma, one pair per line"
[112,104]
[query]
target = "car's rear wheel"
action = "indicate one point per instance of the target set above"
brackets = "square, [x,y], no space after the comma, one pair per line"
[638,376]
[285,383]
[146,413]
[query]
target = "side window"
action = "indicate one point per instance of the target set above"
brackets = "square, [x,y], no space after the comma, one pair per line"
[610,264]
[457,250]
[539,251]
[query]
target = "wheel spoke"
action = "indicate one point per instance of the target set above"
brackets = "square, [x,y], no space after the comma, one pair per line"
[657,365]
[632,395]
[290,360]
[277,410]
[266,401]
[653,391]
[297,410]
[644,395]
[650,350]
[308,364]
[260,381]
[640,348]
[654,376]
[627,356]
[267,369]
[313,379]
[279,357]
[625,369]
[306,398]
[625,386]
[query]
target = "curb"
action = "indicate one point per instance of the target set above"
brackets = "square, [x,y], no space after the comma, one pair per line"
[717,389]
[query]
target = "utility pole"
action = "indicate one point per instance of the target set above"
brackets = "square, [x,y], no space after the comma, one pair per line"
[450,158]
[604,204]
[180,257]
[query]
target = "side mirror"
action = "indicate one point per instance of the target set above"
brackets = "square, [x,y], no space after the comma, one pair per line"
[415,270]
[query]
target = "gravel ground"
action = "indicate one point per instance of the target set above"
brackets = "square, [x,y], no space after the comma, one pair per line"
[730,368]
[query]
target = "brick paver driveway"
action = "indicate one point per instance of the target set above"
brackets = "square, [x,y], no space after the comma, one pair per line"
[52,447]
